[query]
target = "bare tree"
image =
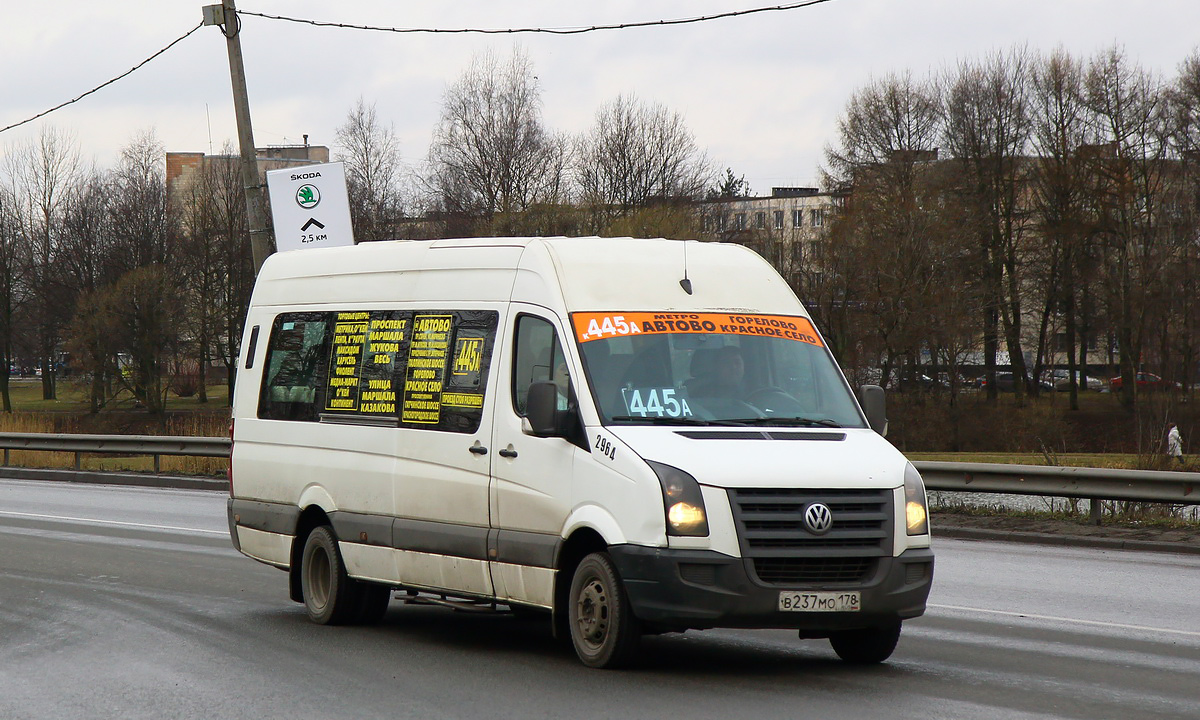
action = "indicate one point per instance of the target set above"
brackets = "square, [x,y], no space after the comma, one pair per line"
[87,264]
[491,153]
[372,156]
[882,264]
[1060,137]
[1184,113]
[41,172]
[144,229]
[137,311]
[236,267]
[1128,114]
[216,258]
[139,316]
[636,154]
[987,130]
[14,265]
[201,255]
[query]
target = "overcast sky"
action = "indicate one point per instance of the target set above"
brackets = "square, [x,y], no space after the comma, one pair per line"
[762,93]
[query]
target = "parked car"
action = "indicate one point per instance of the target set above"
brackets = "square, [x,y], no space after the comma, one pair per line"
[1145,381]
[1005,382]
[1062,381]
[896,379]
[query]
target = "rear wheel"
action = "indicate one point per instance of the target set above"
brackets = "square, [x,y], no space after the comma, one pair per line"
[373,603]
[866,646]
[330,596]
[603,629]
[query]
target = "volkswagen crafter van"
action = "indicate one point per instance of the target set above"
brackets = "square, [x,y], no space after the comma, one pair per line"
[631,436]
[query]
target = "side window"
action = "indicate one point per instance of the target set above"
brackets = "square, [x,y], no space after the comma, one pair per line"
[446,376]
[538,357]
[251,347]
[294,374]
[423,369]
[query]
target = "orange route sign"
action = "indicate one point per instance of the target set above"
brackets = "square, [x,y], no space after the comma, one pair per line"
[591,326]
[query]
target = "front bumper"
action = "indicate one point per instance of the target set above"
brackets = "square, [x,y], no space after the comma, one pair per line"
[697,589]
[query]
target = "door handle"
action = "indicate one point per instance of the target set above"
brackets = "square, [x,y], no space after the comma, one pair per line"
[508,452]
[478,449]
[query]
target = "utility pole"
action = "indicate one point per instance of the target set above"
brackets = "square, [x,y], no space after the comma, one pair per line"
[225,16]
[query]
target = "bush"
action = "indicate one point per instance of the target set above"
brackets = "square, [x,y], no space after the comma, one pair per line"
[186,384]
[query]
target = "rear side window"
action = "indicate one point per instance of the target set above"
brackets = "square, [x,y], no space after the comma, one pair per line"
[297,361]
[421,369]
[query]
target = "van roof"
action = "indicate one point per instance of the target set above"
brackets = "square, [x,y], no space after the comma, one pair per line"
[593,273]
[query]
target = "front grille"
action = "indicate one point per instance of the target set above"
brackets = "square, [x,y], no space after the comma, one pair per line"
[783,551]
[802,571]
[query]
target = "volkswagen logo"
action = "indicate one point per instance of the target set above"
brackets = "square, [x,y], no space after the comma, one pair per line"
[818,519]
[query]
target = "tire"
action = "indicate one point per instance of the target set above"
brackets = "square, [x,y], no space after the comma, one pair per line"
[373,602]
[602,626]
[330,596]
[866,646]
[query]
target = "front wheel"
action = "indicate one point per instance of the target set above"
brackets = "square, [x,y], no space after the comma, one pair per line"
[604,631]
[866,646]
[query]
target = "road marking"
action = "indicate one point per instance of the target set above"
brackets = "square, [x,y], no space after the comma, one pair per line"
[1096,623]
[112,522]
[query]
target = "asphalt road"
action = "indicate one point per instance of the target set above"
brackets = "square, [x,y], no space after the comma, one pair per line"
[130,603]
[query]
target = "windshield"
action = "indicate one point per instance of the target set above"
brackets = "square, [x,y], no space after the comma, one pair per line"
[712,368]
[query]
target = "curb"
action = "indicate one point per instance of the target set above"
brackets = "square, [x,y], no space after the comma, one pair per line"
[1066,540]
[178,482]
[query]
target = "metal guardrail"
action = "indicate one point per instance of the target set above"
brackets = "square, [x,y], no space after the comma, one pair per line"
[1095,484]
[1180,488]
[153,445]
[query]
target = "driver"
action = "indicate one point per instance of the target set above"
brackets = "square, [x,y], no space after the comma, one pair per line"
[725,375]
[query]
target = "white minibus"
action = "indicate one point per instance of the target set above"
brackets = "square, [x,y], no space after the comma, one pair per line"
[629,436]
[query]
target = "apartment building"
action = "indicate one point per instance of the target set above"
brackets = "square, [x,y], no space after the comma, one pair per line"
[788,227]
[184,167]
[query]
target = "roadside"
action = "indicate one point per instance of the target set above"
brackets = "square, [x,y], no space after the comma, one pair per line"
[1065,532]
[945,523]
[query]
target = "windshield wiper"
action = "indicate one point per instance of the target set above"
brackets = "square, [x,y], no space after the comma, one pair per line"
[664,420]
[788,421]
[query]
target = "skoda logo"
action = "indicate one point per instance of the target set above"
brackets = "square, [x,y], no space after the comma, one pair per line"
[818,519]
[308,196]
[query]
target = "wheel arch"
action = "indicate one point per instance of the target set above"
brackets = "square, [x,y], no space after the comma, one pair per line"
[582,542]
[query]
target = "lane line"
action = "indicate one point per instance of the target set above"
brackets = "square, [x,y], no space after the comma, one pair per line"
[112,522]
[1096,623]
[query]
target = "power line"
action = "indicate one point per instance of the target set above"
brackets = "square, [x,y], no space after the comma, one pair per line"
[548,31]
[484,31]
[104,84]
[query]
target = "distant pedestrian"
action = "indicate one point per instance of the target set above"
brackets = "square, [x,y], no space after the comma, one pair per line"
[1174,443]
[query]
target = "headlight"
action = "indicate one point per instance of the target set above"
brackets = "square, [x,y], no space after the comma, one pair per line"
[682,502]
[916,510]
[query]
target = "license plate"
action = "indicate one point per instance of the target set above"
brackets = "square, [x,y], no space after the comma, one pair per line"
[793,601]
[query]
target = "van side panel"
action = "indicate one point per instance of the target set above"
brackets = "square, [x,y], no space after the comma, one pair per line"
[524,584]
[417,569]
[269,547]
[351,465]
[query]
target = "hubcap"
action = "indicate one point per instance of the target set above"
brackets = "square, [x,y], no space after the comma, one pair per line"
[319,578]
[592,612]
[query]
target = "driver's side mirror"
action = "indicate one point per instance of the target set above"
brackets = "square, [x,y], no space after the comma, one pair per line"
[541,409]
[874,405]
